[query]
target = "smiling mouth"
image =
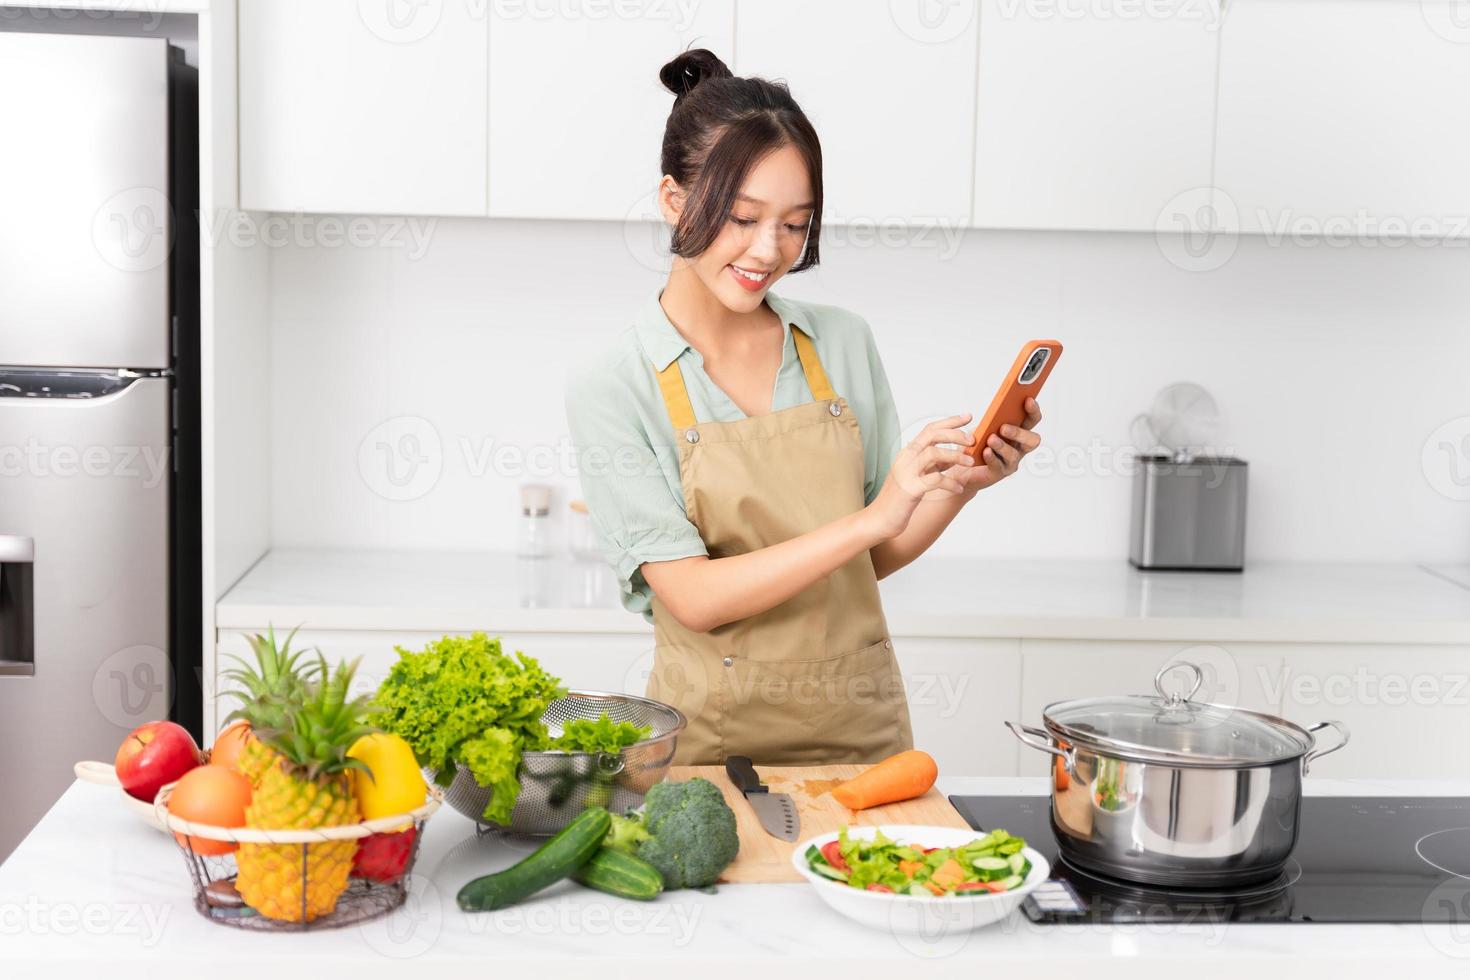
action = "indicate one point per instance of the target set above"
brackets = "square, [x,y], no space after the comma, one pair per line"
[750,275]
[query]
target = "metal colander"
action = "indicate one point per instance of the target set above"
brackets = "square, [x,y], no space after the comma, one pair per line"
[556,786]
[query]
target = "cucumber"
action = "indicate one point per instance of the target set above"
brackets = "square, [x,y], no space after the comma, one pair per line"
[919,891]
[571,847]
[1014,881]
[1019,864]
[813,855]
[622,874]
[993,868]
[827,871]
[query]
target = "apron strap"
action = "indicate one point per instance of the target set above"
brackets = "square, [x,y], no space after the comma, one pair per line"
[676,395]
[811,365]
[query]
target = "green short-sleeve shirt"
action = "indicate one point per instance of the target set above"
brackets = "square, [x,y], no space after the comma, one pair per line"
[626,454]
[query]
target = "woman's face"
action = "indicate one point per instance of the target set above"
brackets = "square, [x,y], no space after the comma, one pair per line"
[764,234]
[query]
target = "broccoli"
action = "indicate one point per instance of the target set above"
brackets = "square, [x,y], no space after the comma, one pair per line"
[626,834]
[692,833]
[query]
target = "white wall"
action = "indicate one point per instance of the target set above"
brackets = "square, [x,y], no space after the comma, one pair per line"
[1332,365]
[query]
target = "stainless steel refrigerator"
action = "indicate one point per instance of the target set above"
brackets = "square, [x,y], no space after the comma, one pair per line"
[99,500]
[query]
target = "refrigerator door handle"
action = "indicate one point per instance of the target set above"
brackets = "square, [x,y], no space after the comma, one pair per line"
[17,548]
[17,606]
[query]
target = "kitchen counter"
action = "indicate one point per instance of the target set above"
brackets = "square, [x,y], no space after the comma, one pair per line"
[938,596]
[93,890]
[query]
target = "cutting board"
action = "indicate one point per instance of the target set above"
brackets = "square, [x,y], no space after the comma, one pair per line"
[765,858]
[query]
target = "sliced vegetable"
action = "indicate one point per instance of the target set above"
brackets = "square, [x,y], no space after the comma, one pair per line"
[833,853]
[898,777]
[990,864]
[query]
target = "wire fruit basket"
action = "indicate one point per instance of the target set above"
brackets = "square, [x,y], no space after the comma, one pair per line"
[556,786]
[310,864]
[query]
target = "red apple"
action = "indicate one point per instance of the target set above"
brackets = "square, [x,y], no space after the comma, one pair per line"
[153,754]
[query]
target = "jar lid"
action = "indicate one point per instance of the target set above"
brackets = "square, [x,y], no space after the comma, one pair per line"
[1171,729]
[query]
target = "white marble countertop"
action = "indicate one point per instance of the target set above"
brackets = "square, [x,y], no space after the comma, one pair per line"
[958,597]
[94,891]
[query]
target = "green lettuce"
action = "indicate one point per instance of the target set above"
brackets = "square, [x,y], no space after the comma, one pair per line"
[463,700]
[602,735]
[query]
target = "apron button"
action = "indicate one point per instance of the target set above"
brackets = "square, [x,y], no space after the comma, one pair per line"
[729,661]
[835,409]
[691,436]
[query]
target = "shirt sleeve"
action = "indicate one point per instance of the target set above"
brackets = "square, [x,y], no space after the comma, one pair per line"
[887,436]
[629,484]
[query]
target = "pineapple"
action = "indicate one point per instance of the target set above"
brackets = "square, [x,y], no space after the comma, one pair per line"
[306,786]
[275,682]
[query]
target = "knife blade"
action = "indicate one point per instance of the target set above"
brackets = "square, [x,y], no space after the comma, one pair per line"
[776,811]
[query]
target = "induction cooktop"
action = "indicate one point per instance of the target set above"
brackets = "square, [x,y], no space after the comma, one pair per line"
[1358,859]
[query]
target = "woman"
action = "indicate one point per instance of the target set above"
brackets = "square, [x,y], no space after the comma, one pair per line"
[740,456]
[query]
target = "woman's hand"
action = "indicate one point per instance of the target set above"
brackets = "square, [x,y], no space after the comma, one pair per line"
[921,468]
[1002,456]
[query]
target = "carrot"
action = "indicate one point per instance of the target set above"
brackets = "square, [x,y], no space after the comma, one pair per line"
[898,777]
[1059,771]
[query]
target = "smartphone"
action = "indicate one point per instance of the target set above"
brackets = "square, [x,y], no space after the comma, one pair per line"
[1024,380]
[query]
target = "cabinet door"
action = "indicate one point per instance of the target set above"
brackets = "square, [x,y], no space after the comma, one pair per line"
[1344,119]
[891,95]
[1093,116]
[960,691]
[576,108]
[372,108]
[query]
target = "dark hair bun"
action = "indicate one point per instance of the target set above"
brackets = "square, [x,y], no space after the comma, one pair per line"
[681,75]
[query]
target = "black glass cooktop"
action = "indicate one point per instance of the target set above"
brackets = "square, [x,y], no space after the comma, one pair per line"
[1358,859]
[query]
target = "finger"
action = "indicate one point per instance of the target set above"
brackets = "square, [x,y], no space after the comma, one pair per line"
[953,422]
[1023,438]
[1033,413]
[996,464]
[1008,453]
[957,436]
[952,485]
[936,458]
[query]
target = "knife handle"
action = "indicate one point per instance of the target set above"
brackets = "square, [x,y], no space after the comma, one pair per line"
[743,775]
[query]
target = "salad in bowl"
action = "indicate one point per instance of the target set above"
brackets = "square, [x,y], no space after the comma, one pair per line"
[917,878]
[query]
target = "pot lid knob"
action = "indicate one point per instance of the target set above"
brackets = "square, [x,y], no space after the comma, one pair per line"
[1173,699]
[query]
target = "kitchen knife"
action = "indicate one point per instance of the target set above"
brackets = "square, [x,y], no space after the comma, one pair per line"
[776,811]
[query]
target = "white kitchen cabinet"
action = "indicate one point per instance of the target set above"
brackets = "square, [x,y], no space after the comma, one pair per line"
[958,689]
[1344,119]
[1408,707]
[576,108]
[959,692]
[1093,116]
[363,107]
[891,96]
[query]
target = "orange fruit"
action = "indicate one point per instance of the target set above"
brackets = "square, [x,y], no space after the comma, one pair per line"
[210,795]
[228,743]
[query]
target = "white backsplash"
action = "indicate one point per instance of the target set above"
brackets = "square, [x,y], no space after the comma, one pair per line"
[1332,366]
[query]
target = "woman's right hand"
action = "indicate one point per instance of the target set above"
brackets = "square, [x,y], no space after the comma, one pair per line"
[918,470]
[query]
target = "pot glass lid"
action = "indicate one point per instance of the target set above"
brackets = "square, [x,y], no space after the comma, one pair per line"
[1172,728]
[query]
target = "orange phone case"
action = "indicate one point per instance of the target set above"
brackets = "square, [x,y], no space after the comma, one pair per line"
[1009,405]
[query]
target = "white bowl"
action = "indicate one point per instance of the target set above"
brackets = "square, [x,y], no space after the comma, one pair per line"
[932,915]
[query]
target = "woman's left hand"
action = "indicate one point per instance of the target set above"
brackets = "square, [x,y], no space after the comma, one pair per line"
[1003,454]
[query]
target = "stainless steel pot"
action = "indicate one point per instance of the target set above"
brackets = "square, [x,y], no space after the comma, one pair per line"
[1168,791]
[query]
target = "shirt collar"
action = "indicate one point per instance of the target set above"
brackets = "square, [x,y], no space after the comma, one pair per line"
[663,343]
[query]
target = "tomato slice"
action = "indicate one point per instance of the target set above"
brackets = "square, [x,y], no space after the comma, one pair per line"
[992,886]
[878,886]
[973,886]
[832,851]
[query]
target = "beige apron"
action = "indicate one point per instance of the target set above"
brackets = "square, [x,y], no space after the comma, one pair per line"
[813,680]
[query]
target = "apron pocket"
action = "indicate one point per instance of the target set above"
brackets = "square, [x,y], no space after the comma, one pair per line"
[850,708]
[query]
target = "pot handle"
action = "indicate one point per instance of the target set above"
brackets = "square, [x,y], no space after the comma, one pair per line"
[1036,738]
[1337,726]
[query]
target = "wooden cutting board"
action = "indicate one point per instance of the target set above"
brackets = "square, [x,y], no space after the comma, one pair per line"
[765,858]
